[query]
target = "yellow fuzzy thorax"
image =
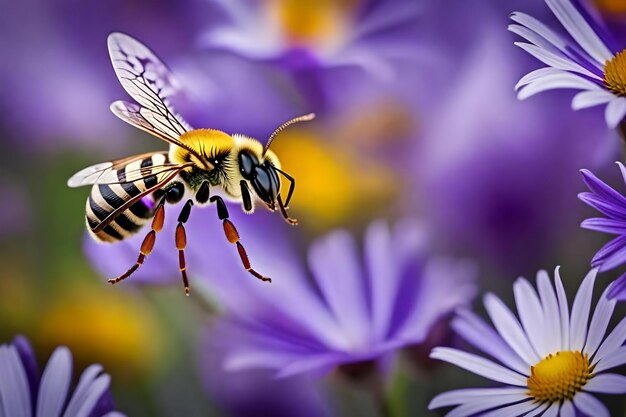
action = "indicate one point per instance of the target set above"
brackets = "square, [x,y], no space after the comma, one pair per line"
[208,143]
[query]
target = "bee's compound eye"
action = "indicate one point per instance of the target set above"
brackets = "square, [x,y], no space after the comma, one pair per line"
[175,193]
[247,163]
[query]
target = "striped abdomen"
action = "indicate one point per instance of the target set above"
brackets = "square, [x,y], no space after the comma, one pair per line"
[106,198]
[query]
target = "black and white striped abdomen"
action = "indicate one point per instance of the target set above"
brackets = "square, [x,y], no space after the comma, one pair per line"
[106,198]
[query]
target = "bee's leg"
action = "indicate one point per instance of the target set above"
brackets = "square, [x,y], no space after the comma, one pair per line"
[148,241]
[283,211]
[233,237]
[292,186]
[181,241]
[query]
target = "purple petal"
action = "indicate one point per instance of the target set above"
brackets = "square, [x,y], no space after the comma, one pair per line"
[27,355]
[603,206]
[602,189]
[55,383]
[618,288]
[600,224]
[611,255]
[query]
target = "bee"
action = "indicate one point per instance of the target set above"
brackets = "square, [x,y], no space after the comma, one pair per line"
[202,166]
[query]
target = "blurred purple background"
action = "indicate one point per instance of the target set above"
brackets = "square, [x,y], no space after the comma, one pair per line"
[417,119]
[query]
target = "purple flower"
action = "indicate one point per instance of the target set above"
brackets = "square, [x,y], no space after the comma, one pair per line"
[551,360]
[585,60]
[346,309]
[24,393]
[367,34]
[257,393]
[612,204]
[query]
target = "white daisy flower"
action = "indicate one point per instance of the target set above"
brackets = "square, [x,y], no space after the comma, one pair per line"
[551,361]
[24,394]
[582,61]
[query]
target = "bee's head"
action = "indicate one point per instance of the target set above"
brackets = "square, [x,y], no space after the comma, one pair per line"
[262,176]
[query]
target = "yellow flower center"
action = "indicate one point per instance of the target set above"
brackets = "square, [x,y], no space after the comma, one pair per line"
[611,6]
[615,74]
[559,377]
[316,24]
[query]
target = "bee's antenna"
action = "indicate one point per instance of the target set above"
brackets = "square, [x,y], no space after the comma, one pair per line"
[305,118]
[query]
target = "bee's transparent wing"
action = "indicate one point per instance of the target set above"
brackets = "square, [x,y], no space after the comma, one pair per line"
[121,171]
[150,83]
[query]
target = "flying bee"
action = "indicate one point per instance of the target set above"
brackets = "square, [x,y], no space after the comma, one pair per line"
[203,166]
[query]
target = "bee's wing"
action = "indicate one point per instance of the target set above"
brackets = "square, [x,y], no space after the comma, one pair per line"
[116,171]
[150,83]
[164,176]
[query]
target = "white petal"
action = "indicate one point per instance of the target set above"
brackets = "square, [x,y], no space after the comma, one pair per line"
[478,365]
[554,60]
[580,30]
[580,312]
[590,405]
[567,409]
[14,389]
[484,337]
[533,38]
[80,392]
[599,323]
[563,309]
[537,74]
[553,411]
[540,410]
[615,112]
[586,99]
[613,341]
[556,81]
[514,410]
[510,329]
[550,311]
[476,406]
[541,29]
[616,358]
[93,395]
[607,384]
[531,315]
[55,383]
[461,396]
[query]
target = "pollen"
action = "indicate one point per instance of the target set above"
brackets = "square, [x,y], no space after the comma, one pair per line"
[559,377]
[615,74]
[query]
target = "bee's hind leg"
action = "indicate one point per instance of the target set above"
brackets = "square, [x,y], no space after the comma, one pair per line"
[233,237]
[148,242]
[181,242]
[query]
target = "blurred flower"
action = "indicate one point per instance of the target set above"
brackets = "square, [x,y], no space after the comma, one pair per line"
[257,393]
[23,393]
[588,64]
[552,360]
[360,309]
[612,204]
[14,210]
[87,320]
[300,35]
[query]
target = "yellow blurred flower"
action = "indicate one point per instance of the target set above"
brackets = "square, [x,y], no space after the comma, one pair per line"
[114,328]
[323,23]
[335,186]
[611,6]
